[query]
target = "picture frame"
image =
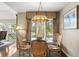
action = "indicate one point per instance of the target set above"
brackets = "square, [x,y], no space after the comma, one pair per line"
[70,19]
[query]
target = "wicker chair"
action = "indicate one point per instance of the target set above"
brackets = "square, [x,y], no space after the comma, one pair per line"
[23,47]
[39,48]
[56,48]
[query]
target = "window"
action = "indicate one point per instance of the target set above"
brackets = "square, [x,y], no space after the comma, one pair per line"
[45,29]
[49,31]
[11,30]
[33,30]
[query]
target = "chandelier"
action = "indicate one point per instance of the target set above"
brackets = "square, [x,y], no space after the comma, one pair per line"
[39,17]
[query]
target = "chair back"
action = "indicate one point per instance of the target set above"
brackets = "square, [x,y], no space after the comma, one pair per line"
[19,40]
[39,48]
[59,40]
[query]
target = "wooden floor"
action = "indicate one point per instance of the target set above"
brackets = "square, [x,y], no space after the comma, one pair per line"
[63,54]
[50,55]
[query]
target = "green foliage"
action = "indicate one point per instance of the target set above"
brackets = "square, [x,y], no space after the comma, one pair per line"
[49,27]
[13,27]
[33,28]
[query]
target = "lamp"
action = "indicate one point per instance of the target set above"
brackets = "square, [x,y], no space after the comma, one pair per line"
[18,28]
[21,31]
[39,17]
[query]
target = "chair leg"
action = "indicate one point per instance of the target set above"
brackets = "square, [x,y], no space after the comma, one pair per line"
[59,53]
[29,53]
[19,53]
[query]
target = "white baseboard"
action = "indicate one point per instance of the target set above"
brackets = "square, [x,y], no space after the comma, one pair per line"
[66,53]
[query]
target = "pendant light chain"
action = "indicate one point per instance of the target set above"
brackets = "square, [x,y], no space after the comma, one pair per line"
[40,7]
[39,17]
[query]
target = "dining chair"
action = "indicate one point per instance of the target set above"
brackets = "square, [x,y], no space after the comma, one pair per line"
[23,47]
[56,48]
[39,48]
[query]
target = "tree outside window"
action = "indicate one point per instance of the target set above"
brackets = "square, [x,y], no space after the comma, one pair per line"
[33,30]
[11,30]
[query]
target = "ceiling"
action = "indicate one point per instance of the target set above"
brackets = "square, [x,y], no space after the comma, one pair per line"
[8,10]
[33,6]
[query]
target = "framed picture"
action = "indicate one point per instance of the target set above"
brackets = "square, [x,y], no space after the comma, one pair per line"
[70,19]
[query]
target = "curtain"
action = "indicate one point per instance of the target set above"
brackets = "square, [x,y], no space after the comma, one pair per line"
[28,30]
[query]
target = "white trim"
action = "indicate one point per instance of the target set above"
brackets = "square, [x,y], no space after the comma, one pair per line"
[66,53]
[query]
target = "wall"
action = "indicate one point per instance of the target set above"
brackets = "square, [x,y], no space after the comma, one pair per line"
[70,38]
[22,20]
[7,15]
[21,33]
[8,21]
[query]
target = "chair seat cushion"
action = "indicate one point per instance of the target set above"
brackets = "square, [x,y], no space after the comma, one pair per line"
[53,47]
[25,47]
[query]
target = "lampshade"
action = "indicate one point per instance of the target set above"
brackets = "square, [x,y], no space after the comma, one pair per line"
[40,17]
[18,27]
